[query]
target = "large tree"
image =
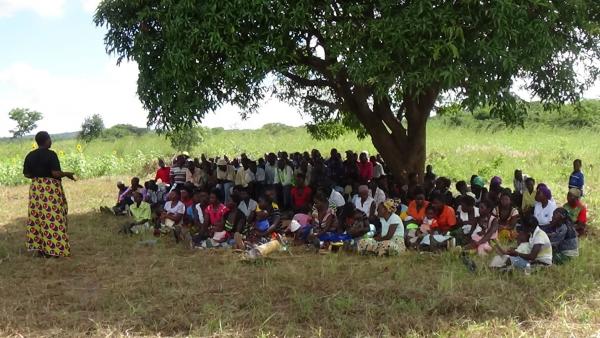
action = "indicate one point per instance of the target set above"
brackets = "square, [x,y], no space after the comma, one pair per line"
[374,67]
[26,120]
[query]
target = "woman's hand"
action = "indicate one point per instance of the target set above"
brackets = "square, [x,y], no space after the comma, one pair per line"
[70,176]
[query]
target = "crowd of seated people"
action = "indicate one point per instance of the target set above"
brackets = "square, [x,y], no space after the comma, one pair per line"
[350,201]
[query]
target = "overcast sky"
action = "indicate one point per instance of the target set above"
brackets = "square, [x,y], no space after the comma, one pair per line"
[53,61]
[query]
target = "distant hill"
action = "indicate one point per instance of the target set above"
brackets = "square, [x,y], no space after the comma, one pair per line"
[60,136]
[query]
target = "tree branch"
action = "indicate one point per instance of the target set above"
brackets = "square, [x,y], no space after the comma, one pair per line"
[381,107]
[306,82]
[323,103]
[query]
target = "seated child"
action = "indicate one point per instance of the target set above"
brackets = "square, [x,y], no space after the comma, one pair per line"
[419,234]
[429,234]
[268,220]
[141,214]
[121,205]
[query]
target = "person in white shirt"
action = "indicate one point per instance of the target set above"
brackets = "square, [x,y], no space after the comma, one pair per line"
[376,193]
[468,214]
[240,173]
[541,247]
[336,199]
[172,216]
[377,168]
[246,207]
[545,205]
[364,202]
[250,177]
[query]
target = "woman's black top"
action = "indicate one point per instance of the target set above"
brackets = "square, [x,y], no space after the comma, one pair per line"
[41,163]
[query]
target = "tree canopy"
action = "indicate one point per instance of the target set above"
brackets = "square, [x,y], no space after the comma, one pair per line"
[374,67]
[26,120]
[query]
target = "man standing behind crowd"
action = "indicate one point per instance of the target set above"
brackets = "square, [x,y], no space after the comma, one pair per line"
[178,171]
[270,169]
[163,173]
[283,179]
[365,168]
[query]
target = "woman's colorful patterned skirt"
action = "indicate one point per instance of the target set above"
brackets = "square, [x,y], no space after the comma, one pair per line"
[47,221]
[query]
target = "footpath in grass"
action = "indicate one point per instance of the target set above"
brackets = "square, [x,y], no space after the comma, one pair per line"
[112,286]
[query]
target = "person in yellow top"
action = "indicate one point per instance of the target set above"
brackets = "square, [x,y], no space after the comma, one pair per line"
[141,213]
[528,195]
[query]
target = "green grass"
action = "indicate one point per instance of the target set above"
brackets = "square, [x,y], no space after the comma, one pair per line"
[113,287]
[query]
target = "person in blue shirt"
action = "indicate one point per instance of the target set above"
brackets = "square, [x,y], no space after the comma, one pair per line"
[576,179]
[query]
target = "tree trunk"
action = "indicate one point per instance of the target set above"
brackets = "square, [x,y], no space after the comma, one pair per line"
[404,150]
[403,155]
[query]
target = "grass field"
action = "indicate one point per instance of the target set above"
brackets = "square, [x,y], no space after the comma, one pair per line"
[115,287]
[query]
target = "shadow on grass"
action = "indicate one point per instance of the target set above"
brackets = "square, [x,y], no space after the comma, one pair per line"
[112,285]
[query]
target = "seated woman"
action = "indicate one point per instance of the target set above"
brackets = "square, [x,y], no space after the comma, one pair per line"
[323,222]
[445,215]
[577,211]
[364,202]
[301,195]
[468,215]
[354,222]
[268,221]
[463,189]
[507,216]
[215,219]
[391,240]
[495,190]
[478,188]
[563,236]
[486,229]
[545,205]
[541,247]
[417,207]
[171,216]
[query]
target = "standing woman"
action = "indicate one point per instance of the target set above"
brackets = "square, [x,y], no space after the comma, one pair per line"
[47,221]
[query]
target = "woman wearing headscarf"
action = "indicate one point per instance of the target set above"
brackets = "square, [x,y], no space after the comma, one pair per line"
[47,219]
[577,211]
[495,190]
[391,239]
[544,205]
[478,188]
